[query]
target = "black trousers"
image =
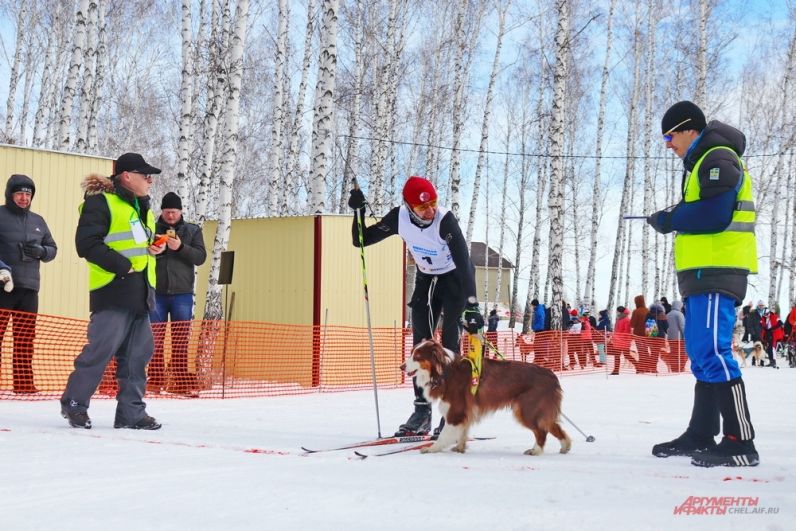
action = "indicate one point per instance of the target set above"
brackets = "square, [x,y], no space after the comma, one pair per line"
[436,295]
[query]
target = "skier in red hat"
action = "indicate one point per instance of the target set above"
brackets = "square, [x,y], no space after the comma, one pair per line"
[445,279]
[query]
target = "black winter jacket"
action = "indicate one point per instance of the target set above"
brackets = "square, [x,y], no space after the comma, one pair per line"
[19,227]
[176,268]
[127,290]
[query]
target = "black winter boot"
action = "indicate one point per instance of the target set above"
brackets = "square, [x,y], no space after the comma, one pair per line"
[419,423]
[704,425]
[736,448]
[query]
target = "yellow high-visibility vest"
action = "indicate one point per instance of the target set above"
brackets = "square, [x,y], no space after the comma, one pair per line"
[736,246]
[120,238]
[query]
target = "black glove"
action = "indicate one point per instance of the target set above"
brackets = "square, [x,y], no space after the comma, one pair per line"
[357,199]
[661,221]
[473,320]
[33,251]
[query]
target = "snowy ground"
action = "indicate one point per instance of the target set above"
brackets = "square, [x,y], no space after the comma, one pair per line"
[236,464]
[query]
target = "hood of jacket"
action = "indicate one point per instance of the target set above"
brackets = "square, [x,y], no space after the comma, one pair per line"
[16,180]
[96,184]
[639,300]
[716,134]
[677,305]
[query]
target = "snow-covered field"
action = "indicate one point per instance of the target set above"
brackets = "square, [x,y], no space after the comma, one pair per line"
[237,464]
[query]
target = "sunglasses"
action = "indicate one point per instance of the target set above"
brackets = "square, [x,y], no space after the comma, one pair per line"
[144,175]
[427,204]
[667,136]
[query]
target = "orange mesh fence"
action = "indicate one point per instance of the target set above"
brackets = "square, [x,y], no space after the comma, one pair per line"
[217,359]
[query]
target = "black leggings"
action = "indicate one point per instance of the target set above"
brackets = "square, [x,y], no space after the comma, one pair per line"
[446,298]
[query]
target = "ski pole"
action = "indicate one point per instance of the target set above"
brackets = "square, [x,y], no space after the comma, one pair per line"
[589,438]
[634,217]
[367,311]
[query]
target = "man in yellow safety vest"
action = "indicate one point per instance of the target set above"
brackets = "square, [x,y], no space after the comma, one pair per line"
[714,252]
[115,235]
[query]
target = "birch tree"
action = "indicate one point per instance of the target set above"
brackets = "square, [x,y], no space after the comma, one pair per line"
[87,86]
[75,63]
[215,93]
[627,185]
[596,192]
[504,192]
[187,107]
[556,198]
[382,89]
[502,8]
[275,181]
[213,308]
[702,55]
[99,77]
[323,116]
[293,170]
[458,105]
[779,177]
[356,104]
[648,184]
[47,85]
[22,20]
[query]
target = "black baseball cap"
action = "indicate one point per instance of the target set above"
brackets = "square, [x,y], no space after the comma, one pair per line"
[133,162]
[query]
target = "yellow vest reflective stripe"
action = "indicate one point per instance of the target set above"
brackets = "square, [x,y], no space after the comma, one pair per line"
[735,247]
[120,238]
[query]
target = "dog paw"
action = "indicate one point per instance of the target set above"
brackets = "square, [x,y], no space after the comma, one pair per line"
[460,448]
[434,448]
[536,450]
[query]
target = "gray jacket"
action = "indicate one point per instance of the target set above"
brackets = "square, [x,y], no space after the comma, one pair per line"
[676,321]
[19,227]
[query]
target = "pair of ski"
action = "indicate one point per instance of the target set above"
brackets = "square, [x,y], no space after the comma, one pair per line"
[420,441]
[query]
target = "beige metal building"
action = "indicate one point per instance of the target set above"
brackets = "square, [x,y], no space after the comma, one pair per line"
[302,272]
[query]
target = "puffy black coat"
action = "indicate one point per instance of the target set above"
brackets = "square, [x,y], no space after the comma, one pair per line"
[175,269]
[127,290]
[19,227]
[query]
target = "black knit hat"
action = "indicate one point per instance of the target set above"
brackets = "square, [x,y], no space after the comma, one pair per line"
[683,116]
[171,200]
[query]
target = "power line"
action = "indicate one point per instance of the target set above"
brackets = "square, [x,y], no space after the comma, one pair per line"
[532,155]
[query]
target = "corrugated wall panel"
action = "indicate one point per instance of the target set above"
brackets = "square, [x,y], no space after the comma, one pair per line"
[64,284]
[273,269]
[342,290]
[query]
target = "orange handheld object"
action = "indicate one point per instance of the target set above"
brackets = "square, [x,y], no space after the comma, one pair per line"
[161,240]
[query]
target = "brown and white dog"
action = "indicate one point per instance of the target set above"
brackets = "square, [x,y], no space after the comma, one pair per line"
[532,392]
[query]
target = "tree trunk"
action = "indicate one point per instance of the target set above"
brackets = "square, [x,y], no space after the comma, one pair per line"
[186,104]
[293,169]
[13,79]
[648,185]
[275,179]
[87,87]
[64,128]
[629,170]
[213,308]
[596,193]
[99,76]
[323,116]
[556,198]
[479,167]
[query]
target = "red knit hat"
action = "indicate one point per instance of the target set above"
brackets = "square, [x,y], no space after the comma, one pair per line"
[418,190]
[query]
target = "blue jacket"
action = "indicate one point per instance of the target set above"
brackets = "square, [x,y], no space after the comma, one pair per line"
[537,325]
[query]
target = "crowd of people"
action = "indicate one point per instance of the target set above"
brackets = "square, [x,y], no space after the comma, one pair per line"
[626,340]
